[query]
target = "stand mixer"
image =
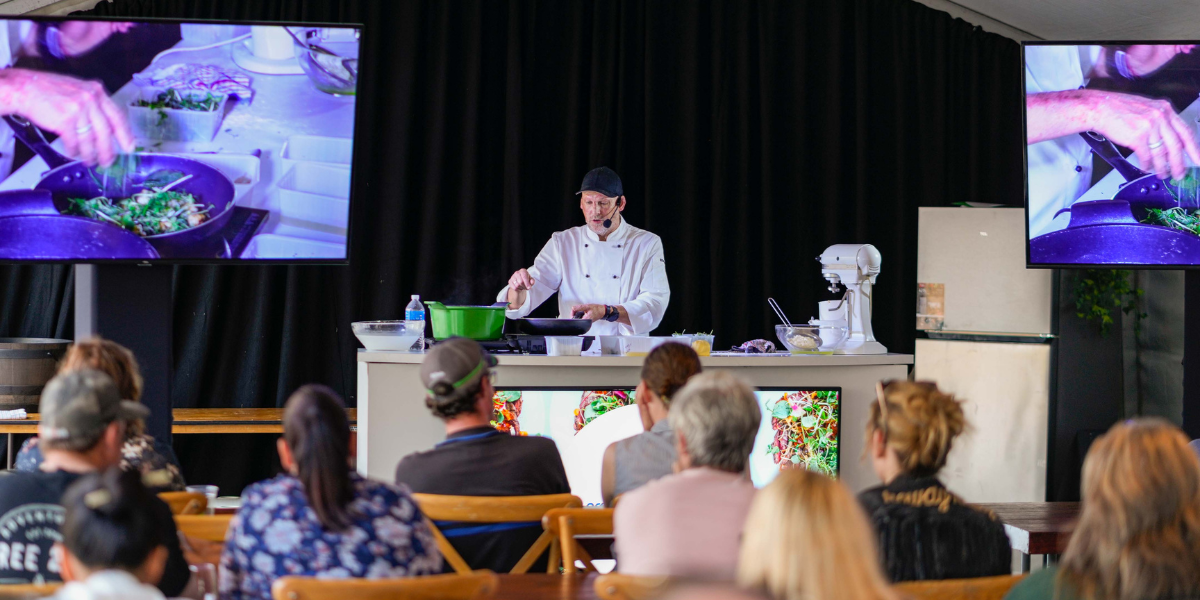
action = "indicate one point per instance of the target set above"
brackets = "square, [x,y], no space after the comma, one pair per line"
[854,266]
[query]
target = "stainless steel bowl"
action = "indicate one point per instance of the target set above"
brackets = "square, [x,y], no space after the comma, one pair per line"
[333,72]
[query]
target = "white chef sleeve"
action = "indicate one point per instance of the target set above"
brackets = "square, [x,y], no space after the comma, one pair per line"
[647,309]
[547,277]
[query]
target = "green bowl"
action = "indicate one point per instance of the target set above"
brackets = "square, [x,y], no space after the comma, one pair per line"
[479,323]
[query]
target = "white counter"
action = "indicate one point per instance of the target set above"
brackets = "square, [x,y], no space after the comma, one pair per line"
[393,420]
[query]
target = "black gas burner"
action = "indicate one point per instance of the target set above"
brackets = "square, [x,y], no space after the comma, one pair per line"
[231,240]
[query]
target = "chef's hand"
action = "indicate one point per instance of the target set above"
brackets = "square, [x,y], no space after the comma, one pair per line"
[1162,141]
[521,280]
[591,312]
[90,124]
[518,287]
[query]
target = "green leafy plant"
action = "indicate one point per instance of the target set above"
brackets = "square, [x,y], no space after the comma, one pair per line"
[1098,292]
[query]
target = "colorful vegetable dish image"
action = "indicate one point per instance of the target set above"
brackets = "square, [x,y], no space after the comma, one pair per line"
[506,410]
[805,425]
[596,403]
[153,210]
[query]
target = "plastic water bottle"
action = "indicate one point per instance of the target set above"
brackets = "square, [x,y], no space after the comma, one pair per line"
[414,320]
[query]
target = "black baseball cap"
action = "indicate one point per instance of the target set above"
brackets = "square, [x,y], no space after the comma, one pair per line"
[453,366]
[603,180]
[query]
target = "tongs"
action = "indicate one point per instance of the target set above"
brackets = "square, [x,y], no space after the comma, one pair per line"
[1141,189]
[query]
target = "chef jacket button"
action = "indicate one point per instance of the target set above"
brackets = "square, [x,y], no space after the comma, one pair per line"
[618,245]
[585,246]
[1078,168]
[587,275]
[614,276]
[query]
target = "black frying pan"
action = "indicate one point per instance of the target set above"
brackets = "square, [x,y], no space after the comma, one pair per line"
[73,179]
[554,326]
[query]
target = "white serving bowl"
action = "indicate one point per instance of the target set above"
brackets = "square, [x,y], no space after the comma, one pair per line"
[391,336]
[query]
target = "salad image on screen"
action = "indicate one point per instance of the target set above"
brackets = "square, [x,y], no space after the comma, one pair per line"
[1112,150]
[176,141]
[594,404]
[506,410]
[805,426]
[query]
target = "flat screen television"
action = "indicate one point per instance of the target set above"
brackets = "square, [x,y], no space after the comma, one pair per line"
[1111,154]
[159,141]
[800,429]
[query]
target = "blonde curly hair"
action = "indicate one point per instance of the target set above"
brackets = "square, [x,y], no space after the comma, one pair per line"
[919,422]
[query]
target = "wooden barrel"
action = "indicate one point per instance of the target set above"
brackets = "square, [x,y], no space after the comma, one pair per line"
[26,364]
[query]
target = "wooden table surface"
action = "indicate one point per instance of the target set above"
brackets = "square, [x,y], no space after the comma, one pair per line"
[202,420]
[1037,527]
[542,586]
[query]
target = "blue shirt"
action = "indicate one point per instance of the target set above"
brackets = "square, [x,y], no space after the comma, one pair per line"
[276,534]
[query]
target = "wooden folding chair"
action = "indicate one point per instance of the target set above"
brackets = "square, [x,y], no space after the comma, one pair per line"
[494,509]
[566,523]
[471,586]
[615,586]
[185,503]
[22,591]
[977,588]
[202,537]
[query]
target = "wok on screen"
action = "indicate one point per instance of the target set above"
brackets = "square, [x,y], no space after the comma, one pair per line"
[1112,154]
[176,141]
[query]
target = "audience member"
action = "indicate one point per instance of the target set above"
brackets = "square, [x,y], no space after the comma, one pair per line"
[632,462]
[925,531]
[112,548]
[138,452]
[477,460]
[320,518]
[1138,534]
[781,555]
[689,524]
[82,427]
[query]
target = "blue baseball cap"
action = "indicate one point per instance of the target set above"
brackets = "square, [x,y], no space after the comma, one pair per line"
[603,180]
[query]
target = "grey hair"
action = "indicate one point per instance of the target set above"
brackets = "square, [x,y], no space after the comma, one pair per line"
[717,415]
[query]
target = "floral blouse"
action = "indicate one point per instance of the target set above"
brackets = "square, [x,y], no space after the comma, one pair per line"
[276,534]
[138,454]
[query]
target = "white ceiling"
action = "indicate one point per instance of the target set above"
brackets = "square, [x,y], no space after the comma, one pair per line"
[1080,19]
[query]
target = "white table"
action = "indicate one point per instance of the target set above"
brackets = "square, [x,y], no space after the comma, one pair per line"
[393,420]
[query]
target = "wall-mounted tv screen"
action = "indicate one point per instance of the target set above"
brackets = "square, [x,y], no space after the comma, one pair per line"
[176,141]
[799,430]
[1111,154]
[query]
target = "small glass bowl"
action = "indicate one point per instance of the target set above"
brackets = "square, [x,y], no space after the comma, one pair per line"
[802,339]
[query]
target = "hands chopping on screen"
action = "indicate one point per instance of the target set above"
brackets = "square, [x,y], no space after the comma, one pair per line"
[1161,139]
[92,128]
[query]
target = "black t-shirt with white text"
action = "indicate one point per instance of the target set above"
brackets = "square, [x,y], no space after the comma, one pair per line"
[31,517]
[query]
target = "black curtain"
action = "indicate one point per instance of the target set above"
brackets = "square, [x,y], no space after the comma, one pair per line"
[750,135]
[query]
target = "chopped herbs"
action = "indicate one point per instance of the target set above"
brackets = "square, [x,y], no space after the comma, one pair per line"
[173,99]
[1175,218]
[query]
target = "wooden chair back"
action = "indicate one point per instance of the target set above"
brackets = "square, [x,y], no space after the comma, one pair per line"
[494,509]
[564,524]
[21,591]
[202,537]
[615,586]
[978,588]
[471,586]
[185,503]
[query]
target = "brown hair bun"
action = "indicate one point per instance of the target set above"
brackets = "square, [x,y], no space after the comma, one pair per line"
[921,424]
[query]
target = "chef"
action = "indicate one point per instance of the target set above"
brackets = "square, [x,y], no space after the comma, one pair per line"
[606,270]
[1057,107]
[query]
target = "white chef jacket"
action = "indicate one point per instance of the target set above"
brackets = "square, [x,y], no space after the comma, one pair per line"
[10,44]
[628,270]
[1060,170]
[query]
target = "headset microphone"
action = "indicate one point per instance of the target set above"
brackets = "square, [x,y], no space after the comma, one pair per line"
[608,221]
